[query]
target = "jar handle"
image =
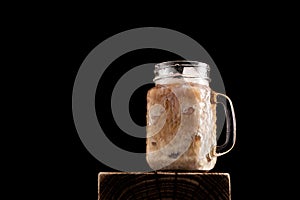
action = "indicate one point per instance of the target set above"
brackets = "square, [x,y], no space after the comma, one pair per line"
[224,148]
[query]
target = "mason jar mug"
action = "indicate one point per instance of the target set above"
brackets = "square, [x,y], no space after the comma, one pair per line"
[181,118]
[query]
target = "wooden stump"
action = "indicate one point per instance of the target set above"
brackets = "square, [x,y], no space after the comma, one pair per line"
[163,185]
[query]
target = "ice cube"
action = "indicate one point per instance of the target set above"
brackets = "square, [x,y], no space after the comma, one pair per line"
[155,112]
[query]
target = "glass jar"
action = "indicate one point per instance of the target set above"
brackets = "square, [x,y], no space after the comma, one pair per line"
[181,118]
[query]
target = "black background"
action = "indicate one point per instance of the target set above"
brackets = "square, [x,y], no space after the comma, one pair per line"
[243,48]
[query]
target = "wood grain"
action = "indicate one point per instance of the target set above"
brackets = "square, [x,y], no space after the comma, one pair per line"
[163,185]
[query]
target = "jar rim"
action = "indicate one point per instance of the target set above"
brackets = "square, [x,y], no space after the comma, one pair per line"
[183,63]
[189,71]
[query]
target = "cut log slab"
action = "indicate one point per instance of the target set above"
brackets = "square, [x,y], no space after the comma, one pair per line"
[163,185]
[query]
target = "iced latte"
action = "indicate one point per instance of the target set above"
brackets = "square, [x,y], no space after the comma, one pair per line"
[180,126]
[181,118]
